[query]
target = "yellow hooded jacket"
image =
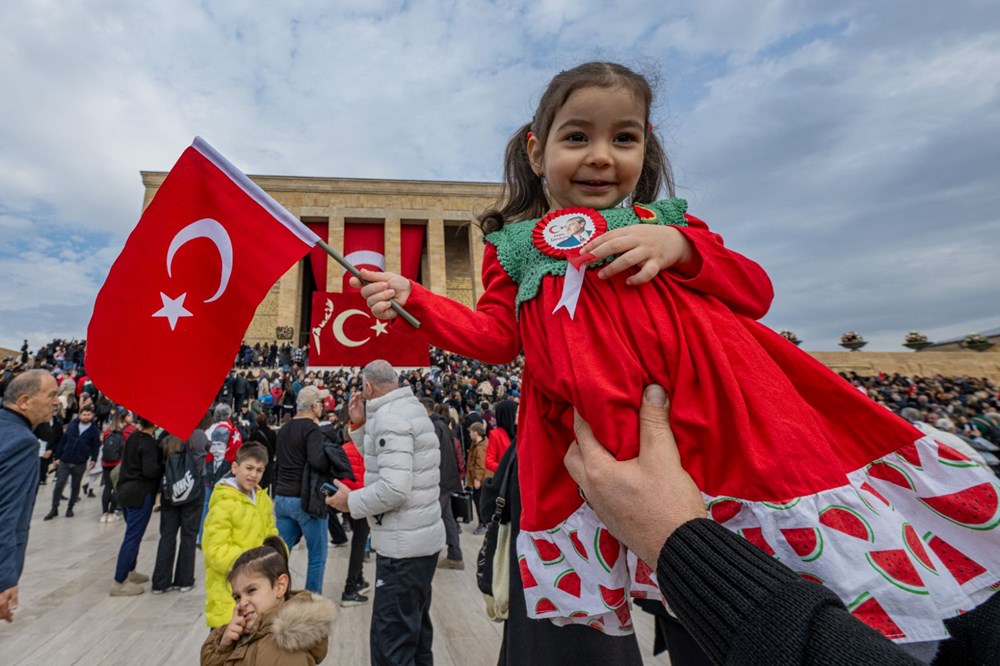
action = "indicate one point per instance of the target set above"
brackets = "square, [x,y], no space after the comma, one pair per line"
[234,525]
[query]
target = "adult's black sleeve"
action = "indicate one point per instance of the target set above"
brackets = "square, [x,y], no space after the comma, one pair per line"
[95,442]
[151,460]
[744,607]
[60,445]
[315,440]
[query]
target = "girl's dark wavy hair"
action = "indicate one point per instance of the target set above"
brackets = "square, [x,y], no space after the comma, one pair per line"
[522,196]
[269,560]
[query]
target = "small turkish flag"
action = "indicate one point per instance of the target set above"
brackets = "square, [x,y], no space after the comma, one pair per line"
[182,292]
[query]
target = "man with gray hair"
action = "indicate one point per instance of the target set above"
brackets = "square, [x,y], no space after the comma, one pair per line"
[300,443]
[30,398]
[400,500]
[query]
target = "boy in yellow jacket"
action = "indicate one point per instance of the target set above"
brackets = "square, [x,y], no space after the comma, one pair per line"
[240,516]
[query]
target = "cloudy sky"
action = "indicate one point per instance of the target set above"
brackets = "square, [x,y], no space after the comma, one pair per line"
[852,148]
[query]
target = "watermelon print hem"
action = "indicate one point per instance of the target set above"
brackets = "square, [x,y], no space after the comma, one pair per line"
[579,573]
[913,533]
[910,540]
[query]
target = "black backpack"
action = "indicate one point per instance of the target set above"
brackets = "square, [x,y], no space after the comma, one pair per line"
[181,482]
[113,447]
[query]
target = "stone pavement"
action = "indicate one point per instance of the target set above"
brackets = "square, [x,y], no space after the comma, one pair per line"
[66,616]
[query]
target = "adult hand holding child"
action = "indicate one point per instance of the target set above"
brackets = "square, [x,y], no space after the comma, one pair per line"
[614,489]
[727,593]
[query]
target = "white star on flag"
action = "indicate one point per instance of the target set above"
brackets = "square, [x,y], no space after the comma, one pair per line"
[379,328]
[173,309]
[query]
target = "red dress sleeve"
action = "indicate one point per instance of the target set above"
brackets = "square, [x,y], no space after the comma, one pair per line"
[741,284]
[490,333]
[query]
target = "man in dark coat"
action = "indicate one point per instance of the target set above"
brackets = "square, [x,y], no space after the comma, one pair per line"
[76,453]
[226,391]
[29,399]
[241,389]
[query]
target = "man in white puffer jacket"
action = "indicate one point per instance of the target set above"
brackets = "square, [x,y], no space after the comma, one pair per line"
[400,499]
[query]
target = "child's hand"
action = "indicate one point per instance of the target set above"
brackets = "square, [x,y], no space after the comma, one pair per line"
[234,629]
[651,247]
[382,288]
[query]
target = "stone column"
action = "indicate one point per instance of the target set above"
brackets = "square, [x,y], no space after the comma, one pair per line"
[476,260]
[393,243]
[289,303]
[290,289]
[436,257]
[334,271]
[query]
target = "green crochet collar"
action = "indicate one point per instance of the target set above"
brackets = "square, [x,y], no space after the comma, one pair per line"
[527,265]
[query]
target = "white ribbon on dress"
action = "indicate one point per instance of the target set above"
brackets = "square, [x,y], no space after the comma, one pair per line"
[573,283]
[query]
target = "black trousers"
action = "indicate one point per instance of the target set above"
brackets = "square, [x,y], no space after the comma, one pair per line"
[477,493]
[401,631]
[336,528]
[109,502]
[359,535]
[63,472]
[450,528]
[173,519]
[43,470]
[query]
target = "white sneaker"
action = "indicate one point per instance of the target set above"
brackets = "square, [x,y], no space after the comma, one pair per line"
[104,517]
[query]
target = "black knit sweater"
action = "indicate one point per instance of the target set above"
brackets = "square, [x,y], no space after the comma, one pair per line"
[743,607]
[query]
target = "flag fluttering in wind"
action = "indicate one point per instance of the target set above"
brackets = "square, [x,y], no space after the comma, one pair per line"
[170,317]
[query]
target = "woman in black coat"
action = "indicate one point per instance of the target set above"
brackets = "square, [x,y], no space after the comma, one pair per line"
[138,483]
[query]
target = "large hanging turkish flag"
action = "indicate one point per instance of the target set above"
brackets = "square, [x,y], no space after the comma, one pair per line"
[182,292]
[344,333]
[364,246]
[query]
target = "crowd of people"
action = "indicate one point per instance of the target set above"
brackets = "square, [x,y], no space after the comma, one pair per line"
[237,453]
[964,411]
[247,462]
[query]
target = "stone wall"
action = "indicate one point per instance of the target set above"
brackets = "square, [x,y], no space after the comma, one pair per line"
[458,268]
[970,363]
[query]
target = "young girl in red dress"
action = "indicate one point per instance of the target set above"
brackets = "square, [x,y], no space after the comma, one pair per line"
[786,453]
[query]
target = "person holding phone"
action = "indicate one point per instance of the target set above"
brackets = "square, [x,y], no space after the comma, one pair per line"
[400,497]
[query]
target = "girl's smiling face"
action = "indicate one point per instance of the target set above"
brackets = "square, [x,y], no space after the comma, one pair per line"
[594,150]
[255,595]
